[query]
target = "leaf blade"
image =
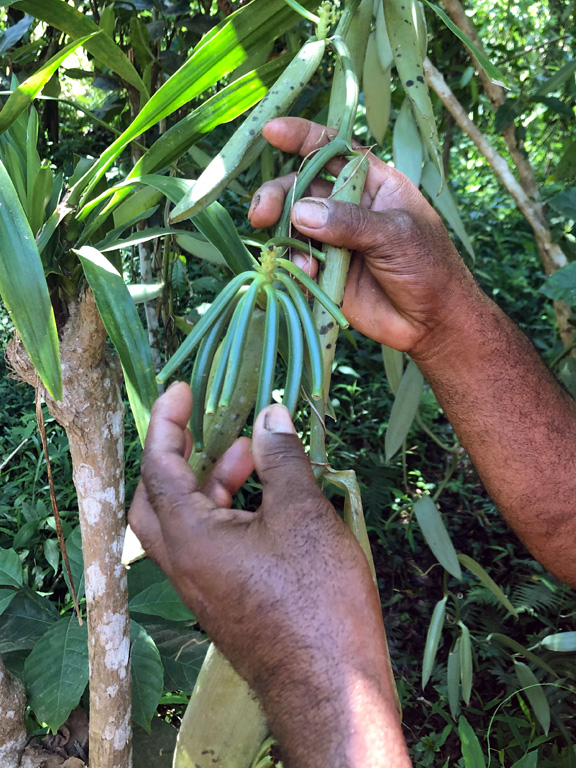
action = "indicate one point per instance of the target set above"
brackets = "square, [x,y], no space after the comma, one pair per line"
[23,288]
[123,325]
[436,535]
[55,689]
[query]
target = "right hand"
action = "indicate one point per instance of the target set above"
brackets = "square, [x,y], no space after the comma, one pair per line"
[406,278]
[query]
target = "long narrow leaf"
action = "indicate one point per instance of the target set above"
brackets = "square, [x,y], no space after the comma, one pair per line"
[471,749]
[23,96]
[24,291]
[436,535]
[433,640]
[465,662]
[488,582]
[561,642]
[518,648]
[404,409]
[224,106]
[535,694]
[231,42]
[445,203]
[121,320]
[492,71]
[76,24]
[453,679]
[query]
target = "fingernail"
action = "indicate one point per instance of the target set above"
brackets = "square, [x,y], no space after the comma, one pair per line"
[253,205]
[277,419]
[174,384]
[310,213]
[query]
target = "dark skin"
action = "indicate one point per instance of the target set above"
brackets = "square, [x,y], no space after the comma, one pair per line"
[285,592]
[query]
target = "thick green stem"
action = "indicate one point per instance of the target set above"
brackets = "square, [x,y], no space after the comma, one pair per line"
[332,281]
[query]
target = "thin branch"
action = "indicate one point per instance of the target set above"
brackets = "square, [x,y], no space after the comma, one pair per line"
[531,210]
[57,519]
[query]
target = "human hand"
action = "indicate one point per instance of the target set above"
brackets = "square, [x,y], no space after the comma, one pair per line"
[406,279]
[281,590]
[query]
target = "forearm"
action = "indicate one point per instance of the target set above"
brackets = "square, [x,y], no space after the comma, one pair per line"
[516,422]
[343,720]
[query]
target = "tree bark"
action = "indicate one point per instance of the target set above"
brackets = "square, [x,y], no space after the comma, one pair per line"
[12,710]
[551,255]
[92,413]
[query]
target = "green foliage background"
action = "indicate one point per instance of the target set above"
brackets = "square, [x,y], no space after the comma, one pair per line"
[532,43]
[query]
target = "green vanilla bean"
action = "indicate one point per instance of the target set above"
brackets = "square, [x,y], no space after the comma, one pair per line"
[269,350]
[206,322]
[338,146]
[295,354]
[221,363]
[312,287]
[310,334]
[201,375]
[239,341]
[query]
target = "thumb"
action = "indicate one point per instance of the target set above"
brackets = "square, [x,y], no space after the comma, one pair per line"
[382,234]
[280,460]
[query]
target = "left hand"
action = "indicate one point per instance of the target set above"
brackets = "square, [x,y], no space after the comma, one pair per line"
[285,592]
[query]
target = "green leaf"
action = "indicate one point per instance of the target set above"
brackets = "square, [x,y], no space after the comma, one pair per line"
[147,676]
[407,148]
[141,292]
[564,203]
[122,322]
[561,285]
[445,203]
[224,106]
[144,236]
[535,694]
[182,651]
[377,91]
[518,648]
[56,672]
[52,553]
[218,53]
[22,97]
[25,620]
[393,366]
[404,409]
[433,640]
[558,79]
[198,246]
[10,568]
[453,679]
[561,642]
[24,291]
[76,560]
[76,24]
[528,761]
[488,582]
[6,597]
[566,168]
[161,599]
[471,749]
[466,671]
[491,71]
[436,535]
[216,224]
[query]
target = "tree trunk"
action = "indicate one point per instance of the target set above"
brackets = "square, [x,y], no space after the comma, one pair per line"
[12,709]
[551,255]
[92,413]
[529,200]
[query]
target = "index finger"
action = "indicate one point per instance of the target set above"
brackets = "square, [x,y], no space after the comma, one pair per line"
[167,476]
